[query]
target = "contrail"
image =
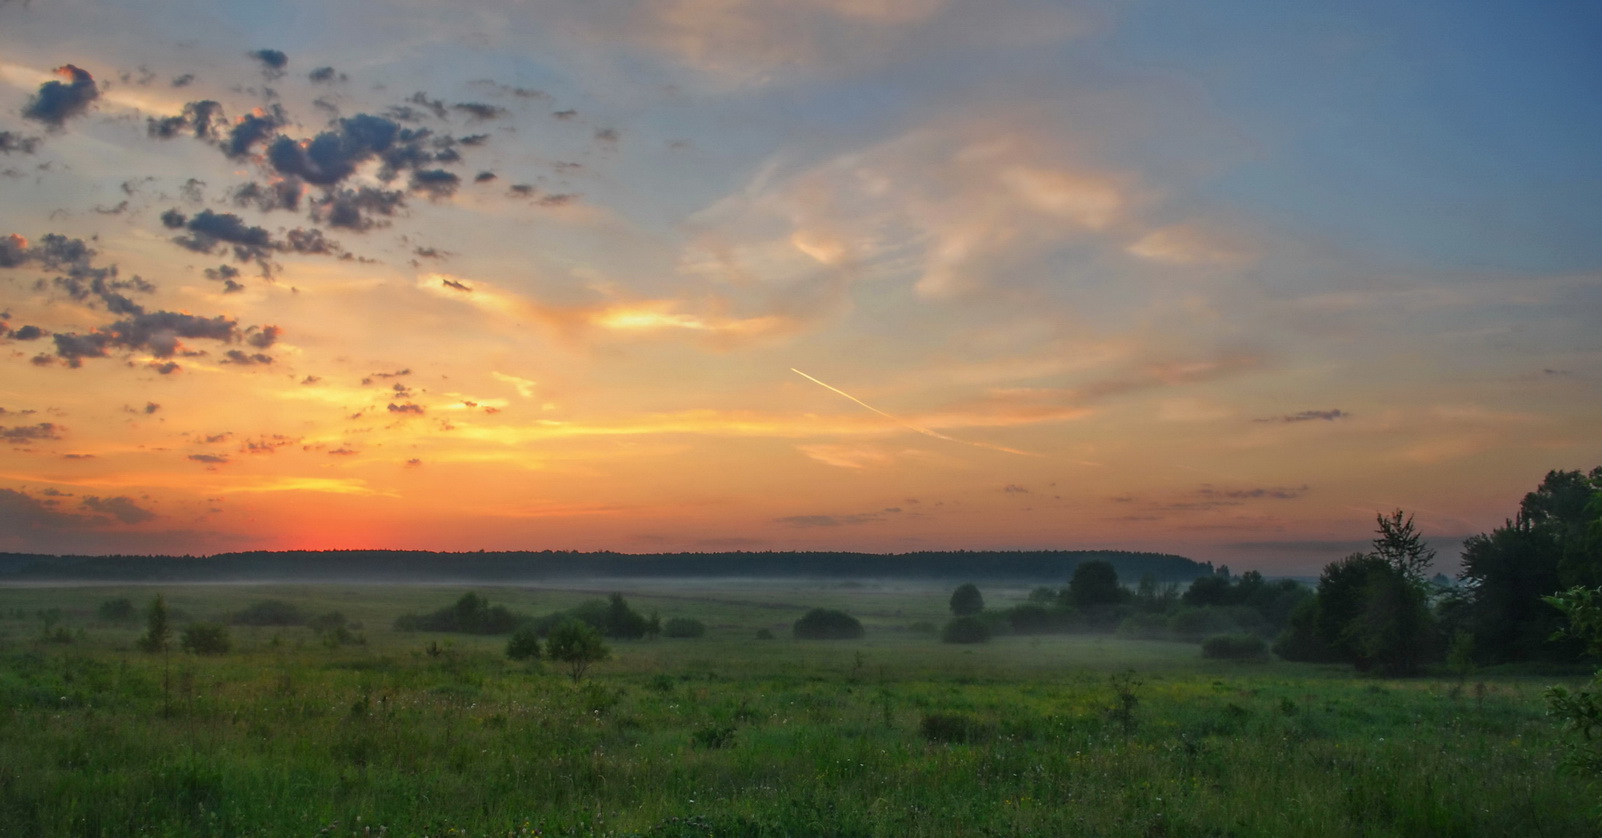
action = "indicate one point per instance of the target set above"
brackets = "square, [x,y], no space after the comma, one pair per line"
[908,425]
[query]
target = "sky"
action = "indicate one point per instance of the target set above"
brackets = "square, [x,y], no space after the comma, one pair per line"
[1220,279]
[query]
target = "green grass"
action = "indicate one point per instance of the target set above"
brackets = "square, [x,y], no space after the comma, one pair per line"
[730,735]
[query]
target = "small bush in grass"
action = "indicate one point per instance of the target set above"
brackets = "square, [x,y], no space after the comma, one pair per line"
[956,728]
[827,624]
[713,737]
[206,639]
[965,630]
[764,634]
[1234,647]
[683,627]
[270,612]
[119,610]
[524,645]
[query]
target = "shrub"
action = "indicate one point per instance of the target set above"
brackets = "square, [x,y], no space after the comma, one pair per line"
[1196,623]
[827,624]
[1035,618]
[270,612]
[965,630]
[623,622]
[576,644]
[472,614]
[119,610]
[523,645]
[713,736]
[683,627]
[764,634]
[206,639]
[1234,647]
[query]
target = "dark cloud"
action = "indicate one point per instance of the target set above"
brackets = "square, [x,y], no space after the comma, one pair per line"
[1311,416]
[353,209]
[201,119]
[165,368]
[281,194]
[310,241]
[31,433]
[459,286]
[56,102]
[263,337]
[10,142]
[13,251]
[473,139]
[159,332]
[1015,489]
[208,229]
[81,279]
[483,177]
[209,458]
[325,75]
[122,508]
[28,333]
[567,114]
[151,407]
[436,183]
[332,156]
[429,253]
[245,359]
[434,106]
[174,219]
[1270,493]
[606,135]
[252,128]
[522,190]
[559,200]
[395,374]
[272,60]
[405,408]
[184,80]
[23,512]
[480,111]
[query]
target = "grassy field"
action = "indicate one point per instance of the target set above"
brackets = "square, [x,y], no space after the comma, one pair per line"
[896,734]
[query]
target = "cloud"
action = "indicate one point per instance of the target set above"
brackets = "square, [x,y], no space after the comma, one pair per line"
[256,127]
[480,111]
[31,433]
[1311,416]
[354,209]
[272,61]
[280,194]
[811,521]
[208,229]
[14,142]
[124,509]
[436,183]
[23,512]
[56,102]
[1260,493]
[209,458]
[202,119]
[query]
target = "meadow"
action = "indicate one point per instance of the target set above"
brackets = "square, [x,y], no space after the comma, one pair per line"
[417,733]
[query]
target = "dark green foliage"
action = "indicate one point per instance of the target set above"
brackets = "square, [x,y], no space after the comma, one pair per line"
[1234,647]
[764,634]
[472,614]
[1034,618]
[1126,697]
[158,634]
[576,644]
[955,728]
[966,600]
[119,610]
[622,622]
[967,629]
[270,612]
[330,621]
[523,645]
[683,627]
[827,624]
[1095,583]
[1581,710]
[1369,613]
[206,639]
[713,737]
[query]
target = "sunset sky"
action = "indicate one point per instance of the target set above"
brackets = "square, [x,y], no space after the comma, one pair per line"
[1217,279]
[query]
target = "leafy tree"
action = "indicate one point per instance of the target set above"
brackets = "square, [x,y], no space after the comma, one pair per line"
[1401,546]
[827,624]
[158,634]
[965,629]
[1094,583]
[206,639]
[471,614]
[524,644]
[966,600]
[623,622]
[1581,711]
[578,645]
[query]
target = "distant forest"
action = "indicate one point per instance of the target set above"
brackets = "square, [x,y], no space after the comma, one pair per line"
[1032,566]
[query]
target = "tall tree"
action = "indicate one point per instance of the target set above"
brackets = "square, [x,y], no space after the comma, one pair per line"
[966,600]
[1401,546]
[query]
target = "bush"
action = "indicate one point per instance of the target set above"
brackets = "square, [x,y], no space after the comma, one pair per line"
[1234,647]
[764,634]
[965,630]
[206,639]
[472,614]
[576,644]
[966,601]
[827,624]
[1196,623]
[120,610]
[683,627]
[1035,618]
[270,612]
[523,645]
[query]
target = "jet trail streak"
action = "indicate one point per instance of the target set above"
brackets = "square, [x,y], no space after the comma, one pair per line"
[908,425]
